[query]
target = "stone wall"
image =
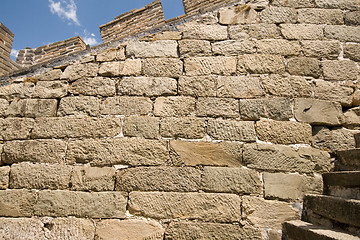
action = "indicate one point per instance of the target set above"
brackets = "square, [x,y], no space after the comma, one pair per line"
[6,40]
[213,131]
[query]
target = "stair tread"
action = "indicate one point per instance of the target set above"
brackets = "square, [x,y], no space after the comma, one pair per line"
[344,178]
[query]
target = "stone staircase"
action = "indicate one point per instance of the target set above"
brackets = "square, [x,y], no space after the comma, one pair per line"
[336,214]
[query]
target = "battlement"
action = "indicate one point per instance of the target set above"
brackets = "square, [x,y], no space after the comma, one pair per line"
[6,39]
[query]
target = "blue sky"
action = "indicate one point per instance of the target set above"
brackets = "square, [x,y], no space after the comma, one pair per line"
[40,22]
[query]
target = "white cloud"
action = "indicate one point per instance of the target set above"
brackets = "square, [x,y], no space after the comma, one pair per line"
[68,11]
[90,38]
[14,53]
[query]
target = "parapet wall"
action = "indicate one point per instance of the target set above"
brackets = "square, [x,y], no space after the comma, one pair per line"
[6,39]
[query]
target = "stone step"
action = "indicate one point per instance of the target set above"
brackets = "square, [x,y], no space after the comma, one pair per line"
[342,184]
[340,212]
[299,230]
[348,160]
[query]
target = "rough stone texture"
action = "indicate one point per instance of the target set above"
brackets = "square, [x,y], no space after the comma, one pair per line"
[231,180]
[174,106]
[4,105]
[266,213]
[40,176]
[86,178]
[278,46]
[141,126]
[205,32]
[76,127]
[340,70]
[114,229]
[98,86]
[111,54]
[231,130]
[318,112]
[294,3]
[242,14]
[17,90]
[356,98]
[51,89]
[233,47]
[15,128]
[286,86]
[147,86]
[193,47]
[261,64]
[200,206]
[273,108]
[304,66]
[127,151]
[283,132]
[352,51]
[239,87]
[32,108]
[4,177]
[160,48]
[278,15]
[215,231]
[283,158]
[259,31]
[352,18]
[198,86]
[342,4]
[164,35]
[333,140]
[321,49]
[202,153]
[123,68]
[59,203]
[75,106]
[188,127]
[174,179]
[21,228]
[217,107]
[77,71]
[17,203]
[321,16]
[162,67]
[333,91]
[210,65]
[352,117]
[126,106]
[302,31]
[50,75]
[290,186]
[37,151]
[343,33]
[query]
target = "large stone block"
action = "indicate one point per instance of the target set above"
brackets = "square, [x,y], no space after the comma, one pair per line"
[111,54]
[304,66]
[21,228]
[123,68]
[160,48]
[334,91]
[205,32]
[321,16]
[17,203]
[302,31]
[352,51]
[278,46]
[32,108]
[231,130]
[294,3]
[352,117]
[217,107]
[241,14]
[193,47]
[239,87]
[210,65]
[342,70]
[321,49]
[15,128]
[343,33]
[147,86]
[40,176]
[233,47]
[162,67]
[174,106]
[77,71]
[185,127]
[126,106]
[51,89]
[141,126]
[4,105]
[334,140]
[86,178]
[98,86]
[51,75]
[286,86]
[80,105]
[258,31]
[4,177]
[126,151]
[174,179]
[279,15]
[342,4]
[261,64]
[352,18]
[201,206]
[17,90]
[198,86]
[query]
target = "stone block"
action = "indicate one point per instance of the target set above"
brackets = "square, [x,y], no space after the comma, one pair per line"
[231,180]
[15,128]
[333,140]
[98,86]
[86,178]
[343,33]
[356,98]
[352,18]
[239,32]
[126,106]
[352,117]
[283,132]
[294,3]
[239,87]
[318,112]
[141,126]
[342,4]
[168,179]
[76,127]
[193,47]
[217,107]
[204,32]
[334,91]
[278,46]
[302,31]
[304,66]
[321,16]
[203,153]
[17,203]
[210,65]
[159,48]
[79,106]
[4,105]
[174,106]
[273,108]
[51,89]
[60,203]
[37,151]
[51,75]
[147,86]
[352,51]
[17,90]
[259,31]
[278,15]
[4,177]
[261,64]
[77,71]
[162,67]
[286,86]
[231,130]
[283,158]
[233,47]
[341,70]
[125,151]
[123,68]
[163,35]
[198,86]
[21,228]
[115,229]
[32,108]
[241,14]
[111,54]
[185,127]
[321,49]
[200,206]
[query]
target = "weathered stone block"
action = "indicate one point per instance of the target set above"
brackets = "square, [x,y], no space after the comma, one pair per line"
[198,86]
[126,106]
[352,117]
[239,87]
[37,151]
[193,47]
[286,86]
[77,71]
[21,228]
[15,128]
[86,178]
[51,89]
[205,32]
[174,106]
[122,68]
[233,47]
[352,18]
[185,127]
[210,65]
[51,75]
[239,32]
[261,63]
[162,67]
[160,48]
[283,132]
[4,177]
[343,33]
[342,4]
[4,105]
[241,14]
[217,107]
[147,86]
[98,86]
[141,126]
[174,179]
[60,203]
[32,108]
[278,46]
[352,51]
[302,31]
[162,35]
[334,140]
[231,130]
[321,16]
[333,91]
[111,54]
[278,15]
[304,66]
[321,49]
[356,98]
[201,206]
[84,105]
[17,90]
[340,70]
[126,151]
[294,3]
[259,31]
[17,203]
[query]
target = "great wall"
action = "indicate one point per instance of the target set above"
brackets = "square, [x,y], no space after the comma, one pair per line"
[237,120]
